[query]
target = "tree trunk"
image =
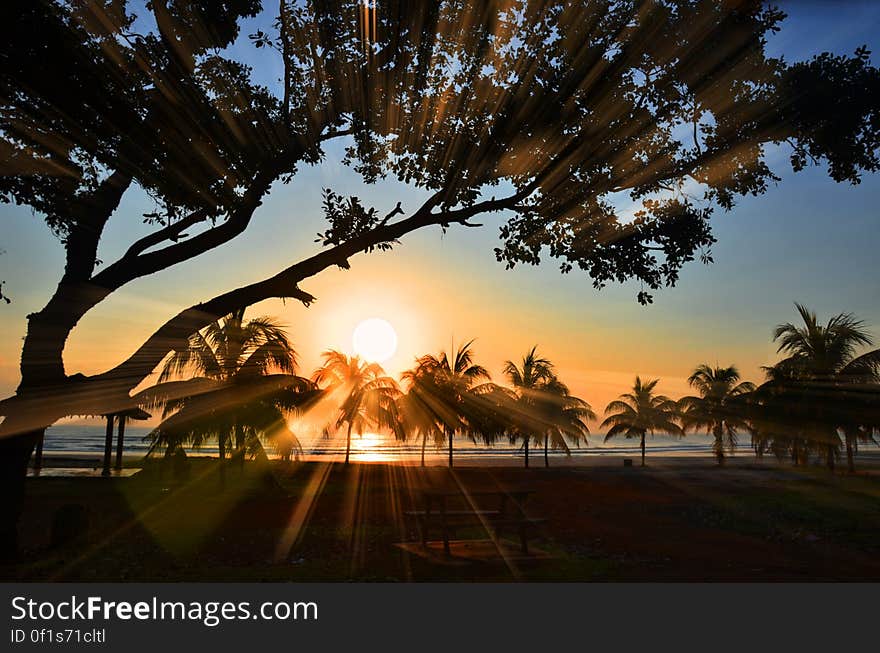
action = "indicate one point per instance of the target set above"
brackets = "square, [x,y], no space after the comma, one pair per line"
[450,434]
[348,443]
[15,452]
[643,449]
[546,456]
[850,459]
[527,451]
[719,444]
[42,362]
[830,458]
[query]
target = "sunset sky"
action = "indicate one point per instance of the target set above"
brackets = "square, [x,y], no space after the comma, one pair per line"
[808,240]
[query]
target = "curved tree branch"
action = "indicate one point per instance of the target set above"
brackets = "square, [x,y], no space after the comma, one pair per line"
[171,231]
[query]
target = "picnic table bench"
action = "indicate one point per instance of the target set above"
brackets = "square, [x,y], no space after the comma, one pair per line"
[495,510]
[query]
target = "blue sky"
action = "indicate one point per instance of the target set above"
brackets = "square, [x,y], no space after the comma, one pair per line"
[807,239]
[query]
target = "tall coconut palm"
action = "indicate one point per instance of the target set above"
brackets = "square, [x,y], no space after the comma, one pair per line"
[637,413]
[825,380]
[429,411]
[544,410]
[719,408]
[241,383]
[453,384]
[528,380]
[564,416]
[419,408]
[367,395]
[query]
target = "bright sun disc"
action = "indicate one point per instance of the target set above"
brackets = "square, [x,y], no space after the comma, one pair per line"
[374,340]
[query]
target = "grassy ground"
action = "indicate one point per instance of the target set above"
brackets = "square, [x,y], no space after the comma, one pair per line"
[313,521]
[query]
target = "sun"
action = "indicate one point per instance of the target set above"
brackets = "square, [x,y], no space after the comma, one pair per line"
[374,340]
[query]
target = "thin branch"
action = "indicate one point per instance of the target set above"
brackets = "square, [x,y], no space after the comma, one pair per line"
[461,216]
[169,232]
[397,210]
[334,133]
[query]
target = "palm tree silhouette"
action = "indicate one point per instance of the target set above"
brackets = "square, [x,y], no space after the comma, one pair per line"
[419,408]
[565,416]
[368,395]
[544,409]
[640,412]
[817,379]
[242,383]
[719,408]
[528,380]
[448,393]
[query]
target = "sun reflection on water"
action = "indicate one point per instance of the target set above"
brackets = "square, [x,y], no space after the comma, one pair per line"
[369,448]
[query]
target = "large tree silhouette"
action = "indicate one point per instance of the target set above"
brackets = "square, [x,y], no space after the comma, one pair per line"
[549,112]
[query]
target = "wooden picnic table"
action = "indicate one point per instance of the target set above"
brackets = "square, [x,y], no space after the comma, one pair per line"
[495,509]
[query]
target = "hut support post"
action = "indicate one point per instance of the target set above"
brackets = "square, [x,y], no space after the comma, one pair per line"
[119,441]
[38,454]
[108,446]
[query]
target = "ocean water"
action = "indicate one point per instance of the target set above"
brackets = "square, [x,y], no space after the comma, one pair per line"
[89,439]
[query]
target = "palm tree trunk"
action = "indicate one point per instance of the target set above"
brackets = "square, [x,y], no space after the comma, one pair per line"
[850,460]
[348,443]
[424,441]
[527,451]
[643,449]
[546,457]
[830,457]
[449,434]
[719,444]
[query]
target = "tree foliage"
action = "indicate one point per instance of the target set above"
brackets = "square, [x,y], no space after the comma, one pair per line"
[827,386]
[719,408]
[642,411]
[232,384]
[367,397]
